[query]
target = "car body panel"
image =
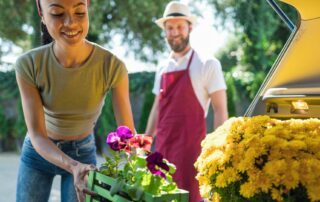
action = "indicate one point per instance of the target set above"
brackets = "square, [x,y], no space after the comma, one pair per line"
[295,76]
[308,9]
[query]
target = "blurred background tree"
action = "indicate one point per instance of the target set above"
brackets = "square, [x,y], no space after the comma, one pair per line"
[258,37]
[255,40]
[132,21]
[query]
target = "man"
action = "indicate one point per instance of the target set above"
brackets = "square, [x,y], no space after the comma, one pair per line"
[184,87]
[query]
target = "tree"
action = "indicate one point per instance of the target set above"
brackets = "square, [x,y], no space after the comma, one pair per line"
[259,35]
[3,124]
[8,85]
[132,21]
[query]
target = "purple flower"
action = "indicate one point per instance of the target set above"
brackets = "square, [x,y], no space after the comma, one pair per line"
[124,132]
[118,140]
[155,161]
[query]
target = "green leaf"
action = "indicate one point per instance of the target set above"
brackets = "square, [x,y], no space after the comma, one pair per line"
[169,187]
[135,192]
[116,187]
[140,162]
[172,168]
[155,184]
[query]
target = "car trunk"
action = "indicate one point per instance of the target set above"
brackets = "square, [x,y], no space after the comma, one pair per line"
[292,87]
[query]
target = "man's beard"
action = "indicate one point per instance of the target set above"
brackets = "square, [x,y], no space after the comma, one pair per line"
[180,46]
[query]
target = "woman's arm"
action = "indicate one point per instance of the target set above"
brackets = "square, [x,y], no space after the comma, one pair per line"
[34,118]
[121,104]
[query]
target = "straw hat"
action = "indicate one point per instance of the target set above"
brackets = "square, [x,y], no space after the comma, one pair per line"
[176,10]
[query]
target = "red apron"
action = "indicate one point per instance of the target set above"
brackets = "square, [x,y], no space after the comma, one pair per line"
[181,127]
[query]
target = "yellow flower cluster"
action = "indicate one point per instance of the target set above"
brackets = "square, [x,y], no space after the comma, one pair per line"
[276,156]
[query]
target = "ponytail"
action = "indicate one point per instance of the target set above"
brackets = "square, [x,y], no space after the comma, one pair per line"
[45,36]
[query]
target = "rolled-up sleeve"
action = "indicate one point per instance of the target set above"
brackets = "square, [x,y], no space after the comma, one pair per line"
[214,78]
[26,70]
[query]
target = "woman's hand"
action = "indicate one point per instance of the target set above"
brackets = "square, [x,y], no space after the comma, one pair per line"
[80,175]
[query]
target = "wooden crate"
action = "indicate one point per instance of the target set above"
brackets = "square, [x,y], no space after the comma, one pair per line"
[101,184]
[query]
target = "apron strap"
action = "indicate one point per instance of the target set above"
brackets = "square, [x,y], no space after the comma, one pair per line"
[190,60]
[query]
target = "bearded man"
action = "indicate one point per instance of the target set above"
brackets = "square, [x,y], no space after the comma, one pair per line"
[184,86]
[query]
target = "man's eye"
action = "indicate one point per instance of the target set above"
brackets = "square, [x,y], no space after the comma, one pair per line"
[80,14]
[56,14]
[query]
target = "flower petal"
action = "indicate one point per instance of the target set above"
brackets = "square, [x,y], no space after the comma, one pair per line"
[113,141]
[124,132]
[141,141]
[112,137]
[164,166]
[160,173]
[155,160]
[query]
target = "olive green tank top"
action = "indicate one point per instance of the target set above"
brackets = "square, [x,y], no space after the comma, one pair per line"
[72,97]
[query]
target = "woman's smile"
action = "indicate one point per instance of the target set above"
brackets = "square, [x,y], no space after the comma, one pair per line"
[71,34]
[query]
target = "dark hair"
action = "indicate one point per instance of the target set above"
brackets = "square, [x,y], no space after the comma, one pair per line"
[45,36]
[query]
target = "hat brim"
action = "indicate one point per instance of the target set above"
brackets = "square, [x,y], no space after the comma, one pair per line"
[191,19]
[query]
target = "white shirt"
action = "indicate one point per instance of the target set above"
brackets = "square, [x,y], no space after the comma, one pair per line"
[206,76]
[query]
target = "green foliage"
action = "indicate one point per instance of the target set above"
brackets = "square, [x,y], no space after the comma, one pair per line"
[133,176]
[145,111]
[131,22]
[3,124]
[230,54]
[231,94]
[15,25]
[8,90]
[106,121]
[19,126]
[142,83]
[259,35]
[8,85]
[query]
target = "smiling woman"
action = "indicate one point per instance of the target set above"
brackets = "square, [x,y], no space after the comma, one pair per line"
[55,15]
[63,91]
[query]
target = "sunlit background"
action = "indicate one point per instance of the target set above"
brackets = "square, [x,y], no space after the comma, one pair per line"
[206,38]
[246,36]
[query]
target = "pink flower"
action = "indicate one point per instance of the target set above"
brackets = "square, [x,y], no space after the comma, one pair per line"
[141,141]
[118,140]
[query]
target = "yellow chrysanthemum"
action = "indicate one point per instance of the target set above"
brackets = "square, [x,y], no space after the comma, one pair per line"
[215,197]
[248,190]
[275,156]
[205,190]
[228,176]
[314,191]
[276,195]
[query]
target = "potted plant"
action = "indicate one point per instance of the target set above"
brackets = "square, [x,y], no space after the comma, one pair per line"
[261,159]
[132,173]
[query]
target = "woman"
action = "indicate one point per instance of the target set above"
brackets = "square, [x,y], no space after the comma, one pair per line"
[62,86]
